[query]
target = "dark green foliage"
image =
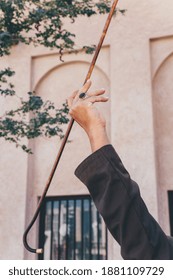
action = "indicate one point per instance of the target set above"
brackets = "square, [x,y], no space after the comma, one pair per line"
[21,19]
[6,88]
[89,49]
[39,23]
[45,120]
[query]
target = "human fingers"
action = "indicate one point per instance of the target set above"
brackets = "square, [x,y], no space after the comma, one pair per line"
[99,98]
[86,86]
[71,98]
[96,92]
[84,90]
[75,94]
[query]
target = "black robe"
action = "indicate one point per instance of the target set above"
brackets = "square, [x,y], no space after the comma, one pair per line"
[118,200]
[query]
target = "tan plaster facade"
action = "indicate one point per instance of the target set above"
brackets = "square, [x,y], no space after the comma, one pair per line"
[135,67]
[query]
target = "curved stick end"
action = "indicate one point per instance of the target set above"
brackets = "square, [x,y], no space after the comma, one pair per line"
[39,251]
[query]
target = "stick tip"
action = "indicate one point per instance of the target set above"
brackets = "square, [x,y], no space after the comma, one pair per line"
[39,251]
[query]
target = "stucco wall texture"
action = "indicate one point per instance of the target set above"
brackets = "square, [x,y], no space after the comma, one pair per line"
[135,67]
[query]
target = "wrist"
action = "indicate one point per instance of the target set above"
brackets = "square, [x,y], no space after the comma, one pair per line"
[98,138]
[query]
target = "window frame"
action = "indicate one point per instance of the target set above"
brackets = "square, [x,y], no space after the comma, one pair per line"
[68,198]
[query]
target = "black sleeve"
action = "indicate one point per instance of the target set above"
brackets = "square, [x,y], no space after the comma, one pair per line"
[117,198]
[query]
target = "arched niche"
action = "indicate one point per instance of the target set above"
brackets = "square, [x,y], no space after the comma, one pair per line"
[161,50]
[163,126]
[56,85]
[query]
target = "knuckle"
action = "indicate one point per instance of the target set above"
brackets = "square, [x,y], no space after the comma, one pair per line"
[71,111]
[75,92]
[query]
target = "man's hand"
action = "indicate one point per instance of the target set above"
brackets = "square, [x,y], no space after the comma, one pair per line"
[83,111]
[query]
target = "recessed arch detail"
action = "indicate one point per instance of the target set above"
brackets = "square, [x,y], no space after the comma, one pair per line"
[161,65]
[163,117]
[65,64]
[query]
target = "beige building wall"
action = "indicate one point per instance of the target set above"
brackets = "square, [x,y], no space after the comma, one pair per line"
[135,66]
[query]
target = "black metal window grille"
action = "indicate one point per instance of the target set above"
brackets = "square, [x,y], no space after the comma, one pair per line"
[72,229]
[170,200]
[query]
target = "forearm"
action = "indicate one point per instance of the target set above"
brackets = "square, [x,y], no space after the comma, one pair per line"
[98,138]
[118,200]
[116,196]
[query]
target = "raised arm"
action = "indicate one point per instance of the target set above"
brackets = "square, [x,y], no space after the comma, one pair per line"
[115,194]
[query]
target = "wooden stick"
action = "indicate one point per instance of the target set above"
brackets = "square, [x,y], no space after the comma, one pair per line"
[64,141]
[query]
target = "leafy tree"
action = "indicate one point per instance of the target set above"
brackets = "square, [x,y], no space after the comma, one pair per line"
[38,22]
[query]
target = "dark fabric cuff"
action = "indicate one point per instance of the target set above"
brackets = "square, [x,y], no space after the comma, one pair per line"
[96,160]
